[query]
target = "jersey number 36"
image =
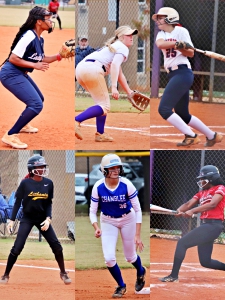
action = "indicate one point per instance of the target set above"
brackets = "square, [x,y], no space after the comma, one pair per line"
[123,205]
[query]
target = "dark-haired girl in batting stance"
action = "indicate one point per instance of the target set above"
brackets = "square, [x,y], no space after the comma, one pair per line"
[211,200]
[27,54]
[36,193]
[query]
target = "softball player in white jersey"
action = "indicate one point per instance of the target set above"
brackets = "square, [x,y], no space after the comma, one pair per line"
[120,212]
[180,75]
[90,73]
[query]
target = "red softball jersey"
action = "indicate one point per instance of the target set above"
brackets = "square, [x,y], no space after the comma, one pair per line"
[53,6]
[206,196]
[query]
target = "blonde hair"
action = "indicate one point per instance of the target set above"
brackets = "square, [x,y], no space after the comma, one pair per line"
[118,31]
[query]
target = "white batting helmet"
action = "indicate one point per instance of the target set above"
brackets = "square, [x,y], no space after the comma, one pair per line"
[110,160]
[172,16]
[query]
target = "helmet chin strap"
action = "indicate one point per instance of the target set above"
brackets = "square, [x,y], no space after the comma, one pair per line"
[50,29]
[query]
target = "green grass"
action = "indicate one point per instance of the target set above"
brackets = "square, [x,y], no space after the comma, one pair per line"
[10,16]
[117,106]
[89,250]
[35,250]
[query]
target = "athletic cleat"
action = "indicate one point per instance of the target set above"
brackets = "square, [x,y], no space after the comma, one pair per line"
[13,141]
[169,279]
[140,282]
[103,137]
[29,129]
[189,140]
[119,292]
[217,139]
[4,279]
[65,278]
[78,131]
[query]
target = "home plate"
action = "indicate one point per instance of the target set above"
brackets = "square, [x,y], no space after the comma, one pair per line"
[144,291]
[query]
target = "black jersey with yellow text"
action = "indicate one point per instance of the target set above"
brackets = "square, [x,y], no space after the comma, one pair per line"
[36,198]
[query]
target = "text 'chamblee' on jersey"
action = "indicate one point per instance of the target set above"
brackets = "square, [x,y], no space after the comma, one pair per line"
[205,196]
[29,48]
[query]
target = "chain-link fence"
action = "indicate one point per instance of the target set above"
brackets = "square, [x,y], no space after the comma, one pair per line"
[173,182]
[98,19]
[204,21]
[136,168]
[13,168]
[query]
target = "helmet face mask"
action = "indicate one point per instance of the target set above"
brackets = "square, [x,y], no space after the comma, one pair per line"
[208,174]
[33,165]
[109,161]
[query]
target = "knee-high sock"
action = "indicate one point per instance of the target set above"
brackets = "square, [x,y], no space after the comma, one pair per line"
[100,123]
[60,260]
[200,126]
[89,113]
[10,262]
[26,116]
[177,122]
[137,264]
[116,274]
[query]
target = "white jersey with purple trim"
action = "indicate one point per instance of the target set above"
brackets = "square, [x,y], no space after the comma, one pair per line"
[174,57]
[105,57]
[116,202]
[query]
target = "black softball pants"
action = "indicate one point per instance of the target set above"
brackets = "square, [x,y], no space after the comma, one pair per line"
[203,237]
[23,232]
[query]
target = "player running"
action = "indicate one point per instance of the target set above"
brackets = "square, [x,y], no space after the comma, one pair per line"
[211,200]
[180,75]
[27,54]
[120,212]
[35,192]
[90,73]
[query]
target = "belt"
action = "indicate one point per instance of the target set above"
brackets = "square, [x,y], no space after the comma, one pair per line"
[117,217]
[93,60]
[211,221]
[171,69]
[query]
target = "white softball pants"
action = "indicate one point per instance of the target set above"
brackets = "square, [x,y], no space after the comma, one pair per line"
[110,229]
[91,76]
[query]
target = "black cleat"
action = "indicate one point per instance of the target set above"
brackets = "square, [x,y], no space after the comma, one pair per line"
[140,282]
[65,278]
[217,139]
[169,279]
[189,140]
[119,291]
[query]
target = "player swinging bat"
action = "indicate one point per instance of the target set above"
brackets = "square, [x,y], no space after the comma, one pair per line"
[184,45]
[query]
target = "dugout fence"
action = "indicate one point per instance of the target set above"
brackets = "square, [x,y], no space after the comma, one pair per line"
[98,19]
[173,182]
[13,168]
[204,21]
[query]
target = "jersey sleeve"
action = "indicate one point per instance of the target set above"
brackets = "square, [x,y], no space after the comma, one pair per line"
[160,35]
[220,190]
[121,49]
[23,43]
[94,205]
[133,197]
[185,36]
[48,210]
[18,201]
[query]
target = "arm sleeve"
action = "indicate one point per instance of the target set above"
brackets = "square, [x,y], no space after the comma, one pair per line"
[94,205]
[17,204]
[132,193]
[49,205]
[118,59]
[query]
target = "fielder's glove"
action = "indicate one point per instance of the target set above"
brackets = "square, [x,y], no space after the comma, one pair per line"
[182,45]
[138,100]
[68,49]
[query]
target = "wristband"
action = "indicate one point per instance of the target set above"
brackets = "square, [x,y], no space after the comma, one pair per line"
[58,57]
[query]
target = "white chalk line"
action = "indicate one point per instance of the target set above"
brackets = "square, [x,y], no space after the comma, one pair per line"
[141,130]
[36,267]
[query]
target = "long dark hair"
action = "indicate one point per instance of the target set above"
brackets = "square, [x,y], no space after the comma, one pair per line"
[36,13]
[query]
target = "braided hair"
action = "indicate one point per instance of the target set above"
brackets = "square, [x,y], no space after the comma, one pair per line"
[36,13]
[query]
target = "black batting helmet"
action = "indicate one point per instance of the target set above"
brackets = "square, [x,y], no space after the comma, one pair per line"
[34,162]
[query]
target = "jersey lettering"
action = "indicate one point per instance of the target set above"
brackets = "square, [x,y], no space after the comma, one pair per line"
[38,195]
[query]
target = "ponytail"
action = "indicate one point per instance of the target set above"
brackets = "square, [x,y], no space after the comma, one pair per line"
[109,42]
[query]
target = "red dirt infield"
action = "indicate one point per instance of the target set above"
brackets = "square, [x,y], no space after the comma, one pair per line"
[130,131]
[56,120]
[99,284]
[37,283]
[194,280]
[165,136]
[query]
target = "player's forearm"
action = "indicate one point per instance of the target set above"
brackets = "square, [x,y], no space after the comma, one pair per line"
[123,82]
[114,72]
[95,225]
[161,44]
[19,62]
[187,52]
[138,229]
[50,59]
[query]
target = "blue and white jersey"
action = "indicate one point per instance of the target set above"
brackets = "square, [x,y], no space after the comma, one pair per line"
[29,48]
[114,202]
